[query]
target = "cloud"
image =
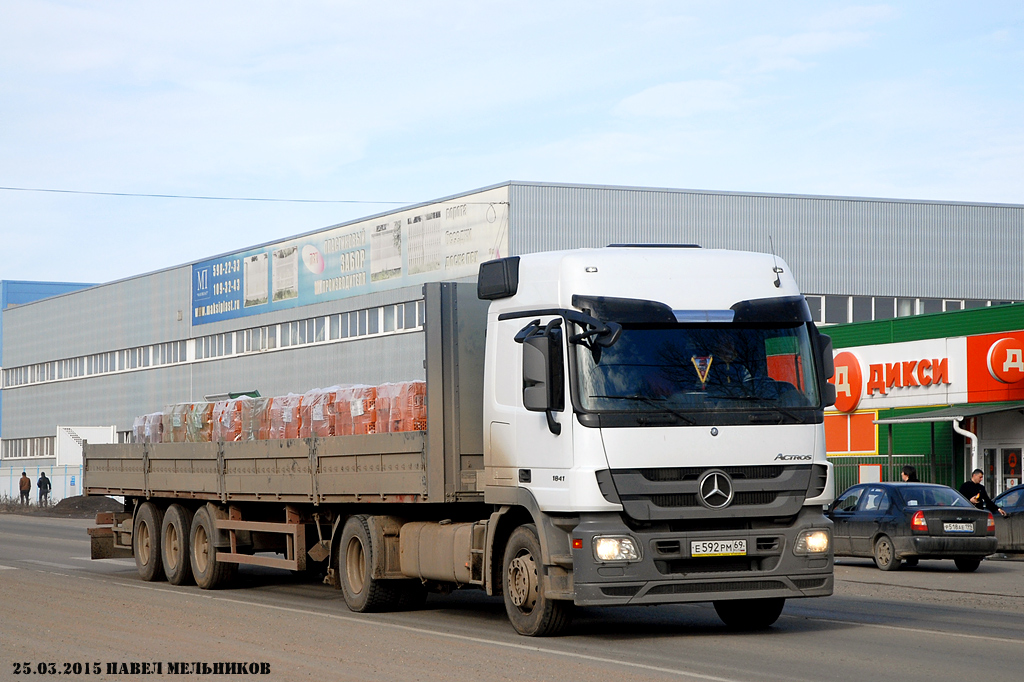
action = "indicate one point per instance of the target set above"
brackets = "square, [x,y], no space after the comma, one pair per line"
[678,100]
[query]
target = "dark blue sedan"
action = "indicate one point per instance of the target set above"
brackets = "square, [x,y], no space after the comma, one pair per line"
[906,522]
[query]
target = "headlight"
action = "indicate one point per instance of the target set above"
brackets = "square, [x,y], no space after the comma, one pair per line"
[616,549]
[812,542]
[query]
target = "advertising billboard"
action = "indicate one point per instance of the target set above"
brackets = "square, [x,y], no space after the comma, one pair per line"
[441,241]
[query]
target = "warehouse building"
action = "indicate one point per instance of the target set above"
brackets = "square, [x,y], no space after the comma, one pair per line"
[288,316]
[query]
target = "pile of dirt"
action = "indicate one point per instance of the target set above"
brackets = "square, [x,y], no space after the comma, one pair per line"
[82,507]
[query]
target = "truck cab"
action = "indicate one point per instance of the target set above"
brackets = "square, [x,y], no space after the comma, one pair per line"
[663,406]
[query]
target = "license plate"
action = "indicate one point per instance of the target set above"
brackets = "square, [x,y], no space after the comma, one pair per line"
[958,527]
[718,548]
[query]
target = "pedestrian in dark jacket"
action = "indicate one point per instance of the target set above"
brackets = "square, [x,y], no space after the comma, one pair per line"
[974,491]
[44,490]
[909,474]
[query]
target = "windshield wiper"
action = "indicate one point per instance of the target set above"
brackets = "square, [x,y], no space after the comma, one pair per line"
[775,408]
[653,402]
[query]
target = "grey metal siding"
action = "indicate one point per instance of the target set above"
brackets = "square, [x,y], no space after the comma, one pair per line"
[123,314]
[834,244]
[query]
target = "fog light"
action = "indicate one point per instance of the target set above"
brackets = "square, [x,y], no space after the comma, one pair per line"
[615,549]
[812,542]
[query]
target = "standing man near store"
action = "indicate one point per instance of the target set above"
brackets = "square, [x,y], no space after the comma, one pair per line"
[44,490]
[25,485]
[974,491]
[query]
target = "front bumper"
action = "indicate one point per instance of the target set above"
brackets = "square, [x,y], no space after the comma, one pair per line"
[667,573]
[924,546]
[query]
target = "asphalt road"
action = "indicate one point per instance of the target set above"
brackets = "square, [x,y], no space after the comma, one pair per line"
[57,606]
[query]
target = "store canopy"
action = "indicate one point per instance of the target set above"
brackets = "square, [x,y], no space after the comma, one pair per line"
[953,413]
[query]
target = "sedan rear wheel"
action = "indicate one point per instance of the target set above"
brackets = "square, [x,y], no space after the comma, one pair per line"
[885,554]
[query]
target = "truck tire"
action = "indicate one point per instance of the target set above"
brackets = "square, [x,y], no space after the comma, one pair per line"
[885,554]
[363,593]
[967,564]
[750,614]
[531,613]
[209,573]
[174,534]
[146,542]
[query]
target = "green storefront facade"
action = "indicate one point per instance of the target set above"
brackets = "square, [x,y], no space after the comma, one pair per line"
[966,364]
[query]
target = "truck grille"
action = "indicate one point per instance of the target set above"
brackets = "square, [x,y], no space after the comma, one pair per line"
[690,499]
[670,493]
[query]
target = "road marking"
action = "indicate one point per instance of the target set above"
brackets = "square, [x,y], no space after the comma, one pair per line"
[425,631]
[538,649]
[49,563]
[934,589]
[901,628]
[119,562]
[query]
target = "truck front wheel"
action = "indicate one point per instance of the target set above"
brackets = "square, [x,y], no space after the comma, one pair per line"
[146,542]
[531,613]
[207,570]
[750,614]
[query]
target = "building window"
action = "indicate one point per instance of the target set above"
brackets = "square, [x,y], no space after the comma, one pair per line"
[837,309]
[862,309]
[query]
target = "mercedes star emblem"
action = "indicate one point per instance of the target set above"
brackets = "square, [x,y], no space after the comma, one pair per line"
[715,489]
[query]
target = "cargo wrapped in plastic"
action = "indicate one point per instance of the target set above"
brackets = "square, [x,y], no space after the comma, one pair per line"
[154,428]
[139,429]
[175,418]
[255,416]
[227,421]
[407,410]
[387,396]
[199,422]
[285,419]
[356,411]
[318,412]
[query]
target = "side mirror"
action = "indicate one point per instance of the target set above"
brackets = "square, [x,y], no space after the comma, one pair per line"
[543,372]
[828,364]
[828,399]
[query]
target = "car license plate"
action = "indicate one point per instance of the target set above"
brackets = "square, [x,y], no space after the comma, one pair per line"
[718,548]
[958,527]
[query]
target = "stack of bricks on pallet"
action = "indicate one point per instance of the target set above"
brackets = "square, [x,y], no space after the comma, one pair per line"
[343,410]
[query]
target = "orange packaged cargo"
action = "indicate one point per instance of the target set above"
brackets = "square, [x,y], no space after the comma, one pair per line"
[255,416]
[199,423]
[284,416]
[227,421]
[175,423]
[356,410]
[388,406]
[409,410]
[317,412]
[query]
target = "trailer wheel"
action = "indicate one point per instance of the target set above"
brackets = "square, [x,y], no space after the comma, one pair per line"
[363,593]
[146,542]
[750,614]
[207,570]
[177,527]
[531,613]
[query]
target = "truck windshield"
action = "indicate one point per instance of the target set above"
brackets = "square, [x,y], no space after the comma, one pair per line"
[686,368]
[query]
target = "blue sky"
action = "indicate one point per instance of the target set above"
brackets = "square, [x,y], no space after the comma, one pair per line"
[411,101]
